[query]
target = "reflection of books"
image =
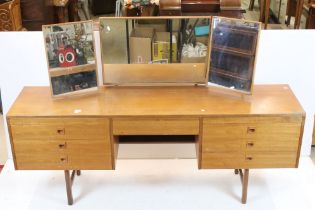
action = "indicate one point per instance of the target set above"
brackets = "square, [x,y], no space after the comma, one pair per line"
[161,61]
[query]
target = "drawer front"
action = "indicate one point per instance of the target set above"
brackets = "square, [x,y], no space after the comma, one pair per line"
[228,131]
[60,128]
[37,128]
[86,154]
[223,137]
[253,134]
[87,128]
[228,145]
[222,160]
[35,155]
[274,137]
[271,160]
[156,126]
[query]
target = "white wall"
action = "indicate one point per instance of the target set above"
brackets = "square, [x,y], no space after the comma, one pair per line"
[285,56]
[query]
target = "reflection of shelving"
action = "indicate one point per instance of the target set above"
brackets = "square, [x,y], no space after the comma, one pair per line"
[242,41]
[233,53]
[236,65]
[73,82]
[71,70]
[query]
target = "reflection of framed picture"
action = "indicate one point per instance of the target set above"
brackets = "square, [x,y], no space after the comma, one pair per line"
[70,56]
[233,53]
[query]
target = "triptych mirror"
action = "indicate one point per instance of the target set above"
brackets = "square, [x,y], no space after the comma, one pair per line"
[183,50]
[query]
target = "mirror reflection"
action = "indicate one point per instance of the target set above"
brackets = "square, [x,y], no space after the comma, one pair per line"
[233,53]
[154,41]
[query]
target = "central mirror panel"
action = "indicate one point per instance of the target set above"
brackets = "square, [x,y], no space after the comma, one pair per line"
[158,50]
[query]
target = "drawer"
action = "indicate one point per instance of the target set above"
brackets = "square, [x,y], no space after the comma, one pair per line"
[260,134]
[59,128]
[271,159]
[223,160]
[156,126]
[40,155]
[223,145]
[86,154]
[37,128]
[220,132]
[274,137]
[87,128]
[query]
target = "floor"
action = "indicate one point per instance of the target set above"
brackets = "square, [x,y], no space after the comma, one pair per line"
[159,184]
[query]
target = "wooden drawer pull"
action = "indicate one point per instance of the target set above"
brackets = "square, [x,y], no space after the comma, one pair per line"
[63,160]
[250,144]
[251,130]
[62,146]
[249,158]
[61,131]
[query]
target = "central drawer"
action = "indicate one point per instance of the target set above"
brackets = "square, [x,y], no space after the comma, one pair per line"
[165,126]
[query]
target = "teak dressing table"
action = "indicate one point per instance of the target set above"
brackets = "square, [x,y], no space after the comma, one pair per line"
[262,130]
[231,130]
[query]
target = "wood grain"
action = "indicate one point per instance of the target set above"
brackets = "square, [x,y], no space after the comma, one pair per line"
[87,128]
[270,160]
[126,74]
[220,160]
[232,131]
[271,100]
[158,126]
[40,154]
[89,154]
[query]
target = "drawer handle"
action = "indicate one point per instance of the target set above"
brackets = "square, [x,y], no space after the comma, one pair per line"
[251,130]
[62,146]
[61,131]
[250,144]
[63,160]
[249,158]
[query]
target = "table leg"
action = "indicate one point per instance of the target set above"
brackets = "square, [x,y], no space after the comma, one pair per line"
[73,11]
[251,5]
[69,187]
[267,12]
[244,180]
[298,14]
[69,182]
[245,186]
[61,14]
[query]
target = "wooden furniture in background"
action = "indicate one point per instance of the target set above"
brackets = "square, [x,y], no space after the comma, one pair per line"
[263,130]
[10,16]
[36,13]
[196,6]
[103,6]
[170,8]
[66,10]
[309,7]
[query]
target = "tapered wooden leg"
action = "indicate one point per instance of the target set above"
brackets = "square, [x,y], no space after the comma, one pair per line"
[68,186]
[251,5]
[245,185]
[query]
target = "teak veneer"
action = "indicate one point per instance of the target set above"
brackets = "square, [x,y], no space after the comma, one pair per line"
[233,131]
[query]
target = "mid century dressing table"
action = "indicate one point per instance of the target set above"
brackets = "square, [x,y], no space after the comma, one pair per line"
[231,130]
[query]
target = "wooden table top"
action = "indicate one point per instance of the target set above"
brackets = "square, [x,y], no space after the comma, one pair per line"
[158,101]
